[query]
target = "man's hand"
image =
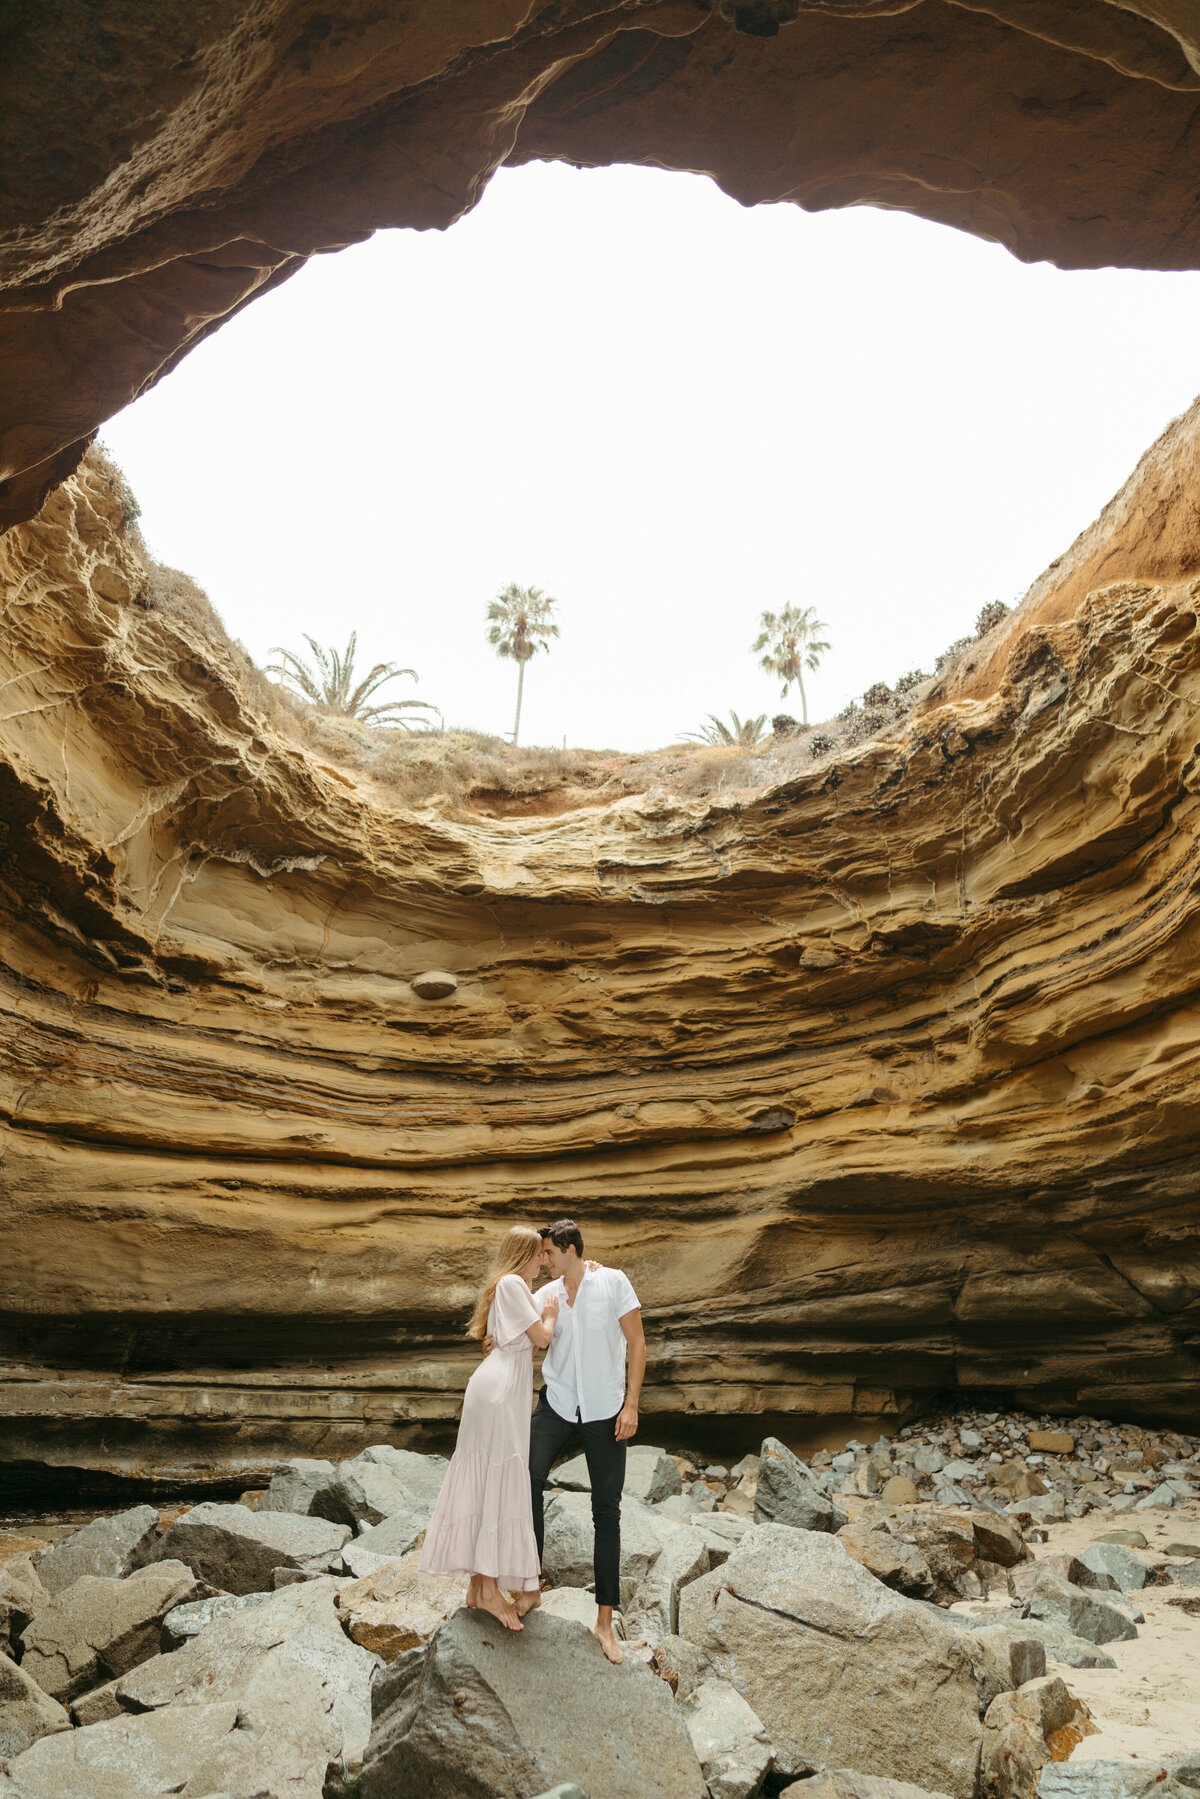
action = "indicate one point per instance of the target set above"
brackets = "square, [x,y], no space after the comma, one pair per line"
[627,1422]
[487,1346]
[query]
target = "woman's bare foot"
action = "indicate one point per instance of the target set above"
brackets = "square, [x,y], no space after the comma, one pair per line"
[489,1598]
[528,1602]
[606,1636]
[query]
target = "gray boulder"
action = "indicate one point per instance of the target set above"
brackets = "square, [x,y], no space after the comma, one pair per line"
[22,1597]
[650,1475]
[1096,1617]
[1174,1777]
[26,1712]
[1004,1658]
[1128,1570]
[788,1494]
[480,1715]
[843,1672]
[1185,1574]
[1055,1638]
[697,1603]
[383,1542]
[187,1621]
[567,1557]
[843,1783]
[653,1611]
[238,1550]
[381,1483]
[97,1629]
[682,1665]
[275,1739]
[730,1743]
[294,1485]
[108,1548]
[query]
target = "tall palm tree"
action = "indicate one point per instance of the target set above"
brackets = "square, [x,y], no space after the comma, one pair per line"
[793,642]
[331,684]
[520,621]
[740,731]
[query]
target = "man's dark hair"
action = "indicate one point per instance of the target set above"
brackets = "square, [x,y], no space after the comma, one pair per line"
[565,1231]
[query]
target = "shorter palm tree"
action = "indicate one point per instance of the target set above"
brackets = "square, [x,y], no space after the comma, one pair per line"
[521,619]
[793,642]
[330,684]
[739,731]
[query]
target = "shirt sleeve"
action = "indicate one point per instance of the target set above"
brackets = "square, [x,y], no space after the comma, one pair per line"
[513,1311]
[623,1296]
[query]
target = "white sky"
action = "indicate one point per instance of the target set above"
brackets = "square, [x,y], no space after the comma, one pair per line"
[668,411]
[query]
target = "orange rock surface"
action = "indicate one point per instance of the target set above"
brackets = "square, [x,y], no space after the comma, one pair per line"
[880,1082]
[163,166]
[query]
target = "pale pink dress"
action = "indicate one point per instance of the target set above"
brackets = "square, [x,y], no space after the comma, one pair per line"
[483,1520]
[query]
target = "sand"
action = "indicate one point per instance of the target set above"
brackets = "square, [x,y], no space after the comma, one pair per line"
[1148,1706]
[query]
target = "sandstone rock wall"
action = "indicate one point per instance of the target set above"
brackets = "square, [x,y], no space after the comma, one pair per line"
[164,166]
[878,1083]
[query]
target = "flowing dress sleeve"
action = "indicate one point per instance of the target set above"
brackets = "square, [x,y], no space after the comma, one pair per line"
[513,1311]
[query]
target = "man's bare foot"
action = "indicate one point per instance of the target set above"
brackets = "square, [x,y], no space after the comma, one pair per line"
[528,1602]
[489,1598]
[606,1636]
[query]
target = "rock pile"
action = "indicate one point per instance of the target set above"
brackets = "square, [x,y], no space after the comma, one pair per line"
[785,1620]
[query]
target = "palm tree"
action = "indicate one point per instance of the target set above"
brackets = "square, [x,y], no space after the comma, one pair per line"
[331,684]
[744,731]
[793,642]
[521,619]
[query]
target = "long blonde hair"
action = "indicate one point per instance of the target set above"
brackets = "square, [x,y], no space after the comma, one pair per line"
[516,1247]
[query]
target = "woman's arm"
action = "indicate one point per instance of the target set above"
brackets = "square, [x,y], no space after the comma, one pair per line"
[540,1334]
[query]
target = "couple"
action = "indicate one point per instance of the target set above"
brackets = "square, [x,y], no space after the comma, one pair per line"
[488,1522]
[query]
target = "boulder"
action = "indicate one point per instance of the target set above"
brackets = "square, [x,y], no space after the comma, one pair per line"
[98,1629]
[383,1542]
[381,1483]
[26,1711]
[697,1603]
[681,1664]
[945,1537]
[22,1597]
[730,1743]
[650,1475]
[1042,1508]
[108,1548]
[1174,1777]
[1095,1617]
[997,1539]
[899,1490]
[897,1564]
[1023,1731]
[96,1707]
[294,1485]
[653,1611]
[788,1494]
[239,1550]
[567,1556]
[577,1605]
[275,1739]
[1067,1567]
[254,1652]
[842,1671]
[1004,1659]
[481,1714]
[187,1621]
[396,1606]
[1051,1442]
[1185,1574]
[842,1783]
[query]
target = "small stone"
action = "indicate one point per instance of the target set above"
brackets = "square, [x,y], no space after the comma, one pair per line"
[970,1439]
[1189,1549]
[898,1491]
[1052,1442]
[436,983]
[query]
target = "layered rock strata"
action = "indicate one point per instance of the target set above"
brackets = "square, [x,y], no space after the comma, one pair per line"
[164,167]
[878,1083]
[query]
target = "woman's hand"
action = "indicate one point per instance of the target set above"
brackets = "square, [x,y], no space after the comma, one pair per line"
[592,1267]
[550,1311]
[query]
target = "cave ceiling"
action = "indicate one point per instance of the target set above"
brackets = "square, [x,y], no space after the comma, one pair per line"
[164,164]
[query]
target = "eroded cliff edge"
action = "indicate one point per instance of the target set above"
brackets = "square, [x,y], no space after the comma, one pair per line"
[879,1083]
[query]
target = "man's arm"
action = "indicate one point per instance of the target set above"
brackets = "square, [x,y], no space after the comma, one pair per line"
[635,1341]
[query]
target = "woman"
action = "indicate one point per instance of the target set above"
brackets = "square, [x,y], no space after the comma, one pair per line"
[483,1523]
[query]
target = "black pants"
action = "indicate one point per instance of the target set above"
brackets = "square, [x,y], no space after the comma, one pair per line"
[548,1437]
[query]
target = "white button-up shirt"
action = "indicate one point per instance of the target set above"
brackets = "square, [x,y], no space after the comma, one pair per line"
[584,1369]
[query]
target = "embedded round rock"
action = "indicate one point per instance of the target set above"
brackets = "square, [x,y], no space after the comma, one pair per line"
[435,984]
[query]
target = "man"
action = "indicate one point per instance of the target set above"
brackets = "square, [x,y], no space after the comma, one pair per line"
[593,1372]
